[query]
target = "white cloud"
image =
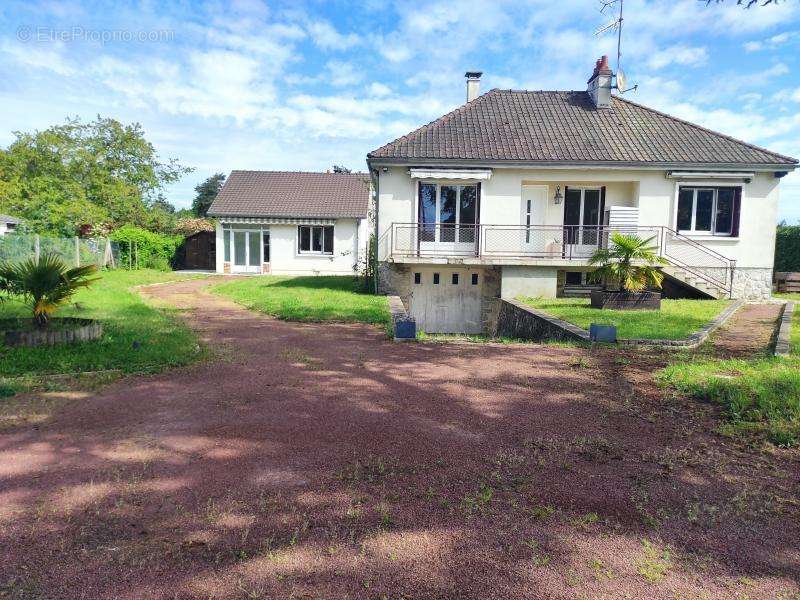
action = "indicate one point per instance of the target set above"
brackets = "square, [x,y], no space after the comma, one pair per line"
[379,90]
[772,42]
[327,37]
[679,55]
[50,57]
[342,74]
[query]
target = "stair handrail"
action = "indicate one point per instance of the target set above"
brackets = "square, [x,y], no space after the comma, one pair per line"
[729,264]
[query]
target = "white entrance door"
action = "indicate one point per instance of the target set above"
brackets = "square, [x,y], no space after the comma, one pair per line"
[246,251]
[534,240]
[447,300]
[581,220]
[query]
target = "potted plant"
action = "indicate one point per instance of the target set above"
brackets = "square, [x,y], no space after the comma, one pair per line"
[45,284]
[627,268]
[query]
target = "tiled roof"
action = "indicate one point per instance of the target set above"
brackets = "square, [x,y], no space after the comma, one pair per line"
[292,194]
[565,127]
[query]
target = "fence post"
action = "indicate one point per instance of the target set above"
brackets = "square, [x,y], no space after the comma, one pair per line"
[77,251]
[36,247]
[136,252]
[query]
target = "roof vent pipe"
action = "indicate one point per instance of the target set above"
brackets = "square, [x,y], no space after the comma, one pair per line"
[473,84]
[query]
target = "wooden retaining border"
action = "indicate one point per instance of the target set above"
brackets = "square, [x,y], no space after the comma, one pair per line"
[782,346]
[518,320]
[80,330]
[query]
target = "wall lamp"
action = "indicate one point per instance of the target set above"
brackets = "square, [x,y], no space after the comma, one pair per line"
[559,196]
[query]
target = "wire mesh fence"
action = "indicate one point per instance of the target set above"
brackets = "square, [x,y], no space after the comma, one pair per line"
[15,248]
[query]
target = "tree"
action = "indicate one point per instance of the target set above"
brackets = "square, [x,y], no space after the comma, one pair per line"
[206,192]
[341,169]
[45,283]
[629,263]
[83,174]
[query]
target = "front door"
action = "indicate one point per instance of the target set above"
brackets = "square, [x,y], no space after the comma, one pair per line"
[246,251]
[446,300]
[581,220]
[535,240]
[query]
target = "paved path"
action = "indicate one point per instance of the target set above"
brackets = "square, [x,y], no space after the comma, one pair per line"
[326,461]
[748,332]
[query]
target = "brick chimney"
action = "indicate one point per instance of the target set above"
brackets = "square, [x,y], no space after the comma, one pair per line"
[473,84]
[599,84]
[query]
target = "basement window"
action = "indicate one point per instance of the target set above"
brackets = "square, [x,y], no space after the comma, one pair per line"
[436,279]
[455,279]
[417,278]
[474,279]
[315,239]
[709,210]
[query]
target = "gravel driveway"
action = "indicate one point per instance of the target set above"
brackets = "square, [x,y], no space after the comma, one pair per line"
[323,461]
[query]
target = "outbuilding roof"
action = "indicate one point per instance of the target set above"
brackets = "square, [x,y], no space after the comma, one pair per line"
[290,194]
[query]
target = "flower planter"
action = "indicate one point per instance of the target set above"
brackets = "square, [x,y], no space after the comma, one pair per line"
[21,332]
[626,300]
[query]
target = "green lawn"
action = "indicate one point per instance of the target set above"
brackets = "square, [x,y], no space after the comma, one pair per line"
[677,318]
[136,337]
[760,396]
[325,298]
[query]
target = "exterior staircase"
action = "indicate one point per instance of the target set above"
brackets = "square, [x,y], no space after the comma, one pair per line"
[698,284]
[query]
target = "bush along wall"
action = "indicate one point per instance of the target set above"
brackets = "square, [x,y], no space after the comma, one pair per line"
[140,248]
[787,248]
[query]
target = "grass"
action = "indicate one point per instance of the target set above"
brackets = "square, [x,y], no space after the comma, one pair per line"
[310,299]
[136,337]
[761,396]
[677,318]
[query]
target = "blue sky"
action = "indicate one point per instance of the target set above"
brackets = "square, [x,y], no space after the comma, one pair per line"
[303,85]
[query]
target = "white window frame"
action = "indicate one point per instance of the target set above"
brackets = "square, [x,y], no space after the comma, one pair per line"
[705,232]
[310,252]
[438,223]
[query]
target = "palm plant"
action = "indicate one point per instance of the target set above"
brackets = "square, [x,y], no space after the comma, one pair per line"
[45,283]
[629,262]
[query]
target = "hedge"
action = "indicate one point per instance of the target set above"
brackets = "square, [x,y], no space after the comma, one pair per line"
[150,250]
[787,248]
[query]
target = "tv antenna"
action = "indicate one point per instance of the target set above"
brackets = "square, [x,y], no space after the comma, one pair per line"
[616,25]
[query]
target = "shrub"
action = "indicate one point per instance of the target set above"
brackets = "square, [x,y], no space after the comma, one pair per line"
[147,249]
[787,248]
[45,283]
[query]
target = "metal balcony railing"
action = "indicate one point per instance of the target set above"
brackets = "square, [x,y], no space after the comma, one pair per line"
[556,242]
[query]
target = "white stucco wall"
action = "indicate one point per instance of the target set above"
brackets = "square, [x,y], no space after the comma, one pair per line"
[650,190]
[536,282]
[349,243]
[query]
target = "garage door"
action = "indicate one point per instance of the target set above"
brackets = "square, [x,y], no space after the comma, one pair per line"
[447,300]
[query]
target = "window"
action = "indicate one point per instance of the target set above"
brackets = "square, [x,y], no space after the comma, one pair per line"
[436,279]
[474,279]
[226,240]
[712,211]
[455,279]
[447,213]
[315,239]
[528,221]
[417,278]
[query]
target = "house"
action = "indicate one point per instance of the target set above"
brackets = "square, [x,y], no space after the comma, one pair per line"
[291,223]
[8,224]
[512,192]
